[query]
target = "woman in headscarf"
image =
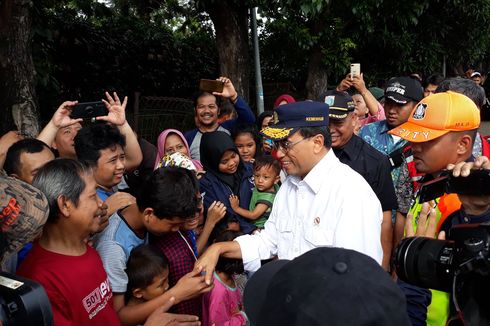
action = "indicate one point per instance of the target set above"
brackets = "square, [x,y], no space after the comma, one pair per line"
[226,174]
[171,141]
[283,99]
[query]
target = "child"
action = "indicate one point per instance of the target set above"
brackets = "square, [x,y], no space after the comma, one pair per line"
[147,271]
[266,177]
[223,305]
[226,174]
[246,139]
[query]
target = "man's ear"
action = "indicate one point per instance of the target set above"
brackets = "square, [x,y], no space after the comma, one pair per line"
[64,205]
[319,143]
[465,144]
[148,214]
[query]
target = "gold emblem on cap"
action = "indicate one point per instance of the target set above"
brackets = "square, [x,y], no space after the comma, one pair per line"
[275,118]
[276,133]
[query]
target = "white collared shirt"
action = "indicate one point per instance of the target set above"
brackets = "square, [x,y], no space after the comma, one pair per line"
[332,206]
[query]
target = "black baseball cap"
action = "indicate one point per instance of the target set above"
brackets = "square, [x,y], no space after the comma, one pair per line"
[325,286]
[340,103]
[403,90]
[288,118]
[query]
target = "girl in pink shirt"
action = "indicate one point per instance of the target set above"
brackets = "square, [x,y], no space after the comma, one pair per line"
[223,305]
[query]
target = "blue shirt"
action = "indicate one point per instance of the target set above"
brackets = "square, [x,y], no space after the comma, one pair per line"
[376,134]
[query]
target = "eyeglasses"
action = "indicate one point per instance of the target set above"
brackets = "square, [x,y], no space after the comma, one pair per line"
[209,106]
[285,146]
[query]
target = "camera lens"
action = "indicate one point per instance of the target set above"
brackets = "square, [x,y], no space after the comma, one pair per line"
[425,262]
[89,110]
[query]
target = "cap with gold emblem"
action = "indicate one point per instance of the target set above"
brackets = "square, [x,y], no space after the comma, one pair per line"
[289,118]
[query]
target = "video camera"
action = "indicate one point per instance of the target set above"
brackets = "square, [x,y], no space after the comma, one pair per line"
[459,265]
[23,302]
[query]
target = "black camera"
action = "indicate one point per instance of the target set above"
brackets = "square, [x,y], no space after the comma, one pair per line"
[434,264]
[23,302]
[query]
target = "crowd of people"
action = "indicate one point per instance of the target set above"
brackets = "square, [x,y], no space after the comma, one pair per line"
[287,218]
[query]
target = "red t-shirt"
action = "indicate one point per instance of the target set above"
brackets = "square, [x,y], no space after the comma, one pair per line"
[77,286]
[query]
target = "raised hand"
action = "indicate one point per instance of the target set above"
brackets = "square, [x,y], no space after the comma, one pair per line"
[61,118]
[117,110]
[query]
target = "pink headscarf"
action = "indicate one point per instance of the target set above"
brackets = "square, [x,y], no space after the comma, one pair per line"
[161,147]
[283,97]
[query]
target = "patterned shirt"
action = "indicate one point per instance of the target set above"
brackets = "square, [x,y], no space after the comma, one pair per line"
[177,247]
[376,134]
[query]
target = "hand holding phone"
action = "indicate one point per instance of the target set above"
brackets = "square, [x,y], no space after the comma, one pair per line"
[355,69]
[210,85]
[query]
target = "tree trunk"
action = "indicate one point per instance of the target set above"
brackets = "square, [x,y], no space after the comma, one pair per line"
[230,19]
[316,82]
[17,72]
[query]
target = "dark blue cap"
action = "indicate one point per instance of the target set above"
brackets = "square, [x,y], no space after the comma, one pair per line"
[289,118]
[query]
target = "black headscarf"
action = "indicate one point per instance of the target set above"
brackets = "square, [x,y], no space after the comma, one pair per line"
[213,146]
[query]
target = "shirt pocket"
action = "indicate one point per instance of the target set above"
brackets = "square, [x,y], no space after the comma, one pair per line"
[318,237]
[285,237]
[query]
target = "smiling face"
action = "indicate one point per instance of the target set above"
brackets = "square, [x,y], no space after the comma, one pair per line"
[342,130]
[299,159]
[246,146]
[229,162]
[110,167]
[85,216]
[207,111]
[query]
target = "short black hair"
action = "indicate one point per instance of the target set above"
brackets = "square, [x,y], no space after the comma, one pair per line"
[27,145]
[144,264]
[464,86]
[171,192]
[308,132]
[267,161]
[262,116]
[200,94]
[92,139]
[61,177]
[434,79]
[472,133]
[229,265]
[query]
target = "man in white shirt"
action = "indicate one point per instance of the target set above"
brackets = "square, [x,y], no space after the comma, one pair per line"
[323,202]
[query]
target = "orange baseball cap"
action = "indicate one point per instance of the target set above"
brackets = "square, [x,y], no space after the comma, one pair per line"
[438,114]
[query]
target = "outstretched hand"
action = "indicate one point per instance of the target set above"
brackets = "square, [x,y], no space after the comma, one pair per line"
[117,110]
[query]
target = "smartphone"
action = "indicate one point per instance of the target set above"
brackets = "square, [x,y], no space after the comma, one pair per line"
[88,110]
[433,189]
[476,184]
[211,85]
[355,69]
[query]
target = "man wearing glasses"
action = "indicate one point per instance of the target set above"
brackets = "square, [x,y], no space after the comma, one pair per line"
[206,106]
[323,202]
